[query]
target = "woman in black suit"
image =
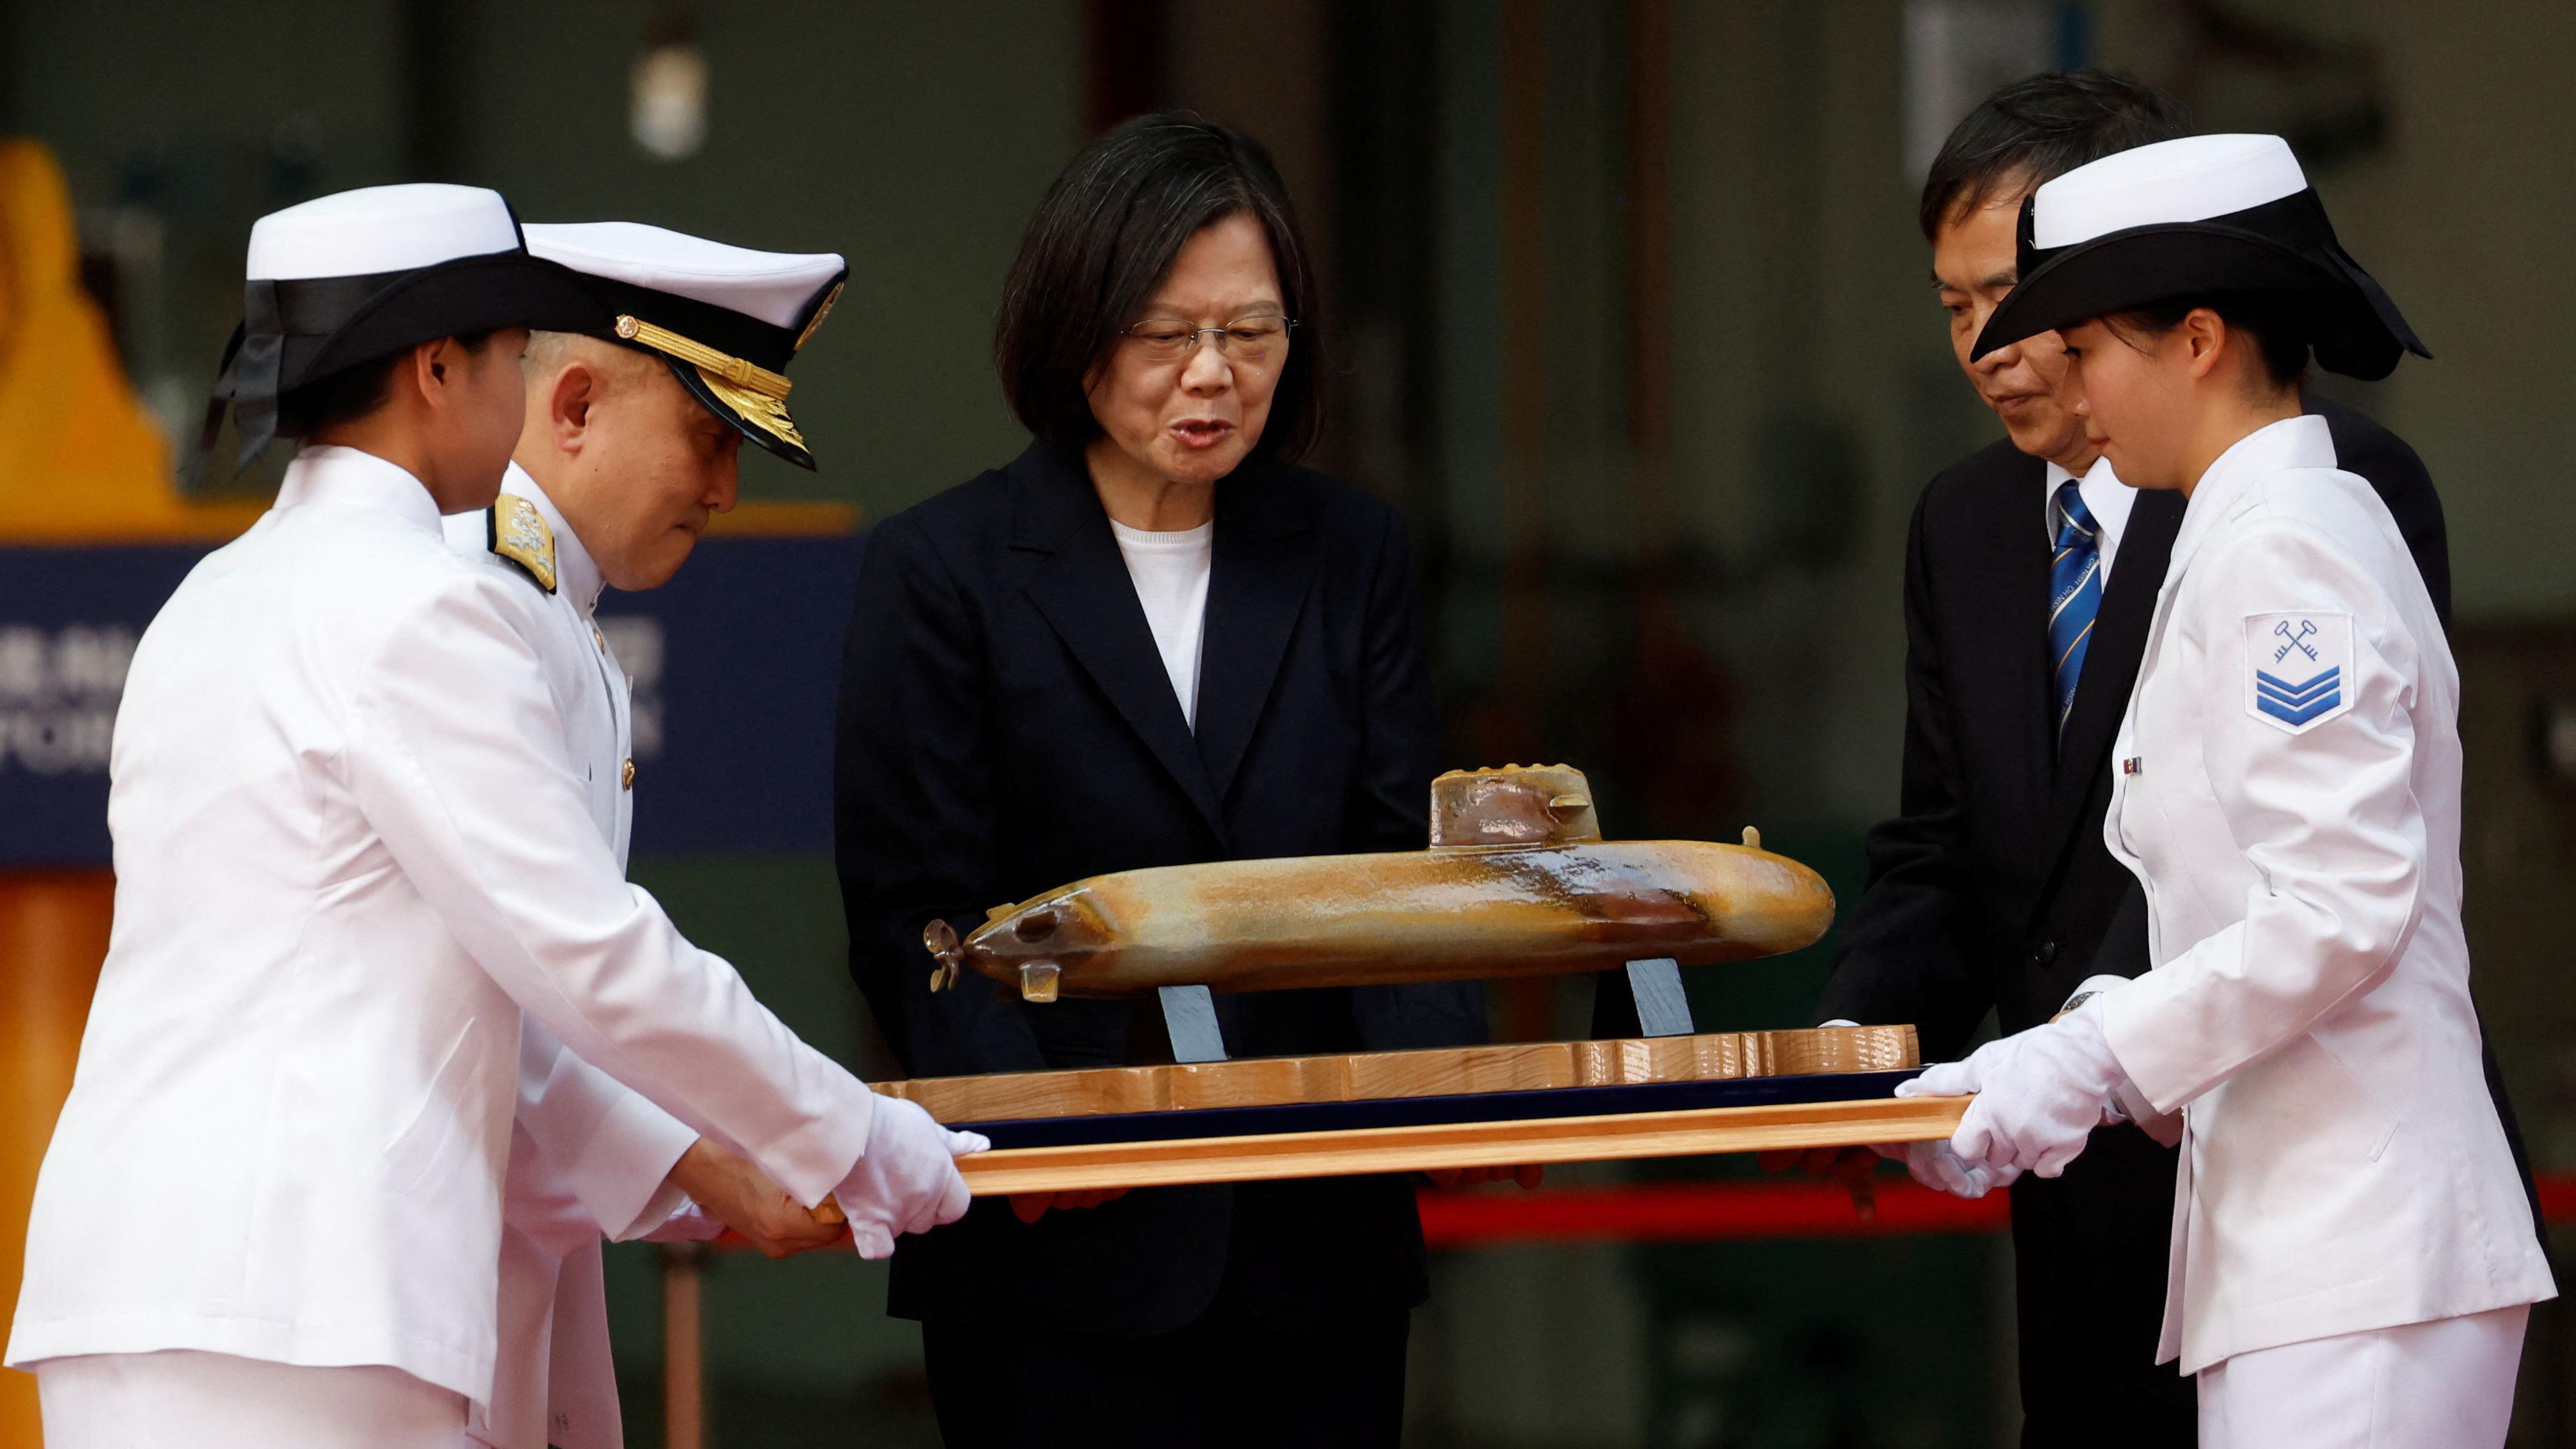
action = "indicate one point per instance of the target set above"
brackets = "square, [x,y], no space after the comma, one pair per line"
[1149,640]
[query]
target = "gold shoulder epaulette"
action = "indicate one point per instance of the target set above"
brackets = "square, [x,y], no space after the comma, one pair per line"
[521,535]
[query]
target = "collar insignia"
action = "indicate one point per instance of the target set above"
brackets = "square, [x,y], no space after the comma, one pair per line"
[520,534]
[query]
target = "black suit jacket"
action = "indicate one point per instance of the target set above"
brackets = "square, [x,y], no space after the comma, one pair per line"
[1993,889]
[1006,727]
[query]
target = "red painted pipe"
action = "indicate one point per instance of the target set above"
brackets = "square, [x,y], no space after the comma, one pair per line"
[1735,1212]
[1713,1212]
[1698,1212]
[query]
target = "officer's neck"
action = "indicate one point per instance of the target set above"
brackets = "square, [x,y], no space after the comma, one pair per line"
[400,432]
[2230,418]
[545,468]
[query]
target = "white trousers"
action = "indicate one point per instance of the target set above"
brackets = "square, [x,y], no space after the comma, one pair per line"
[2447,1384]
[182,1399]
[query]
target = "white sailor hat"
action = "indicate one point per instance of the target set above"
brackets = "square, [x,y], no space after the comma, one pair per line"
[358,275]
[2183,218]
[727,320]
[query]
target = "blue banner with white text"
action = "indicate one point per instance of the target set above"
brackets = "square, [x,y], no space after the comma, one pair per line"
[735,662]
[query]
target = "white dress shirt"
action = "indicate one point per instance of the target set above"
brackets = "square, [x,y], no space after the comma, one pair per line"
[2105,497]
[353,855]
[1170,569]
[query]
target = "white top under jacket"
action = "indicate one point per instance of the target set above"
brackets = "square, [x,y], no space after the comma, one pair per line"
[351,850]
[1170,569]
[2289,791]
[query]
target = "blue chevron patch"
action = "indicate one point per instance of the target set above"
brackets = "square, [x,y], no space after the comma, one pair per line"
[2298,703]
[2313,654]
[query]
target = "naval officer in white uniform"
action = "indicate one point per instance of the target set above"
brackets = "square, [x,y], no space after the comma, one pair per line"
[2353,1261]
[353,851]
[620,465]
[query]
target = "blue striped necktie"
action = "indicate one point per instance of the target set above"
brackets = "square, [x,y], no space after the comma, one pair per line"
[2074,592]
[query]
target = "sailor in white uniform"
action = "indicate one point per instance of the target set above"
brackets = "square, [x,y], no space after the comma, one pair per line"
[634,458]
[2353,1260]
[354,856]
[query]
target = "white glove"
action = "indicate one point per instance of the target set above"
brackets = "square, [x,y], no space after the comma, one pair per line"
[1935,1166]
[907,1180]
[2040,1093]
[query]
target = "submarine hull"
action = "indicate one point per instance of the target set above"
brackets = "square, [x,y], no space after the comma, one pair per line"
[1442,914]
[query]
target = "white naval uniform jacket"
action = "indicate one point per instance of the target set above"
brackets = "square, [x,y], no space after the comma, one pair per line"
[587,1156]
[351,851]
[2289,792]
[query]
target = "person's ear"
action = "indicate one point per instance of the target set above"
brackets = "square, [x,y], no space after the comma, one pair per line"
[436,368]
[2206,336]
[419,373]
[568,406]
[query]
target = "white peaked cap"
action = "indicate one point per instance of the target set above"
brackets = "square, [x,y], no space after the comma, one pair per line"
[775,287]
[379,229]
[2195,178]
[727,320]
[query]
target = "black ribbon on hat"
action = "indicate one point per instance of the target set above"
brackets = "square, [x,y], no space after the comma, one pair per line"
[2286,245]
[297,332]
[192,475]
[2296,222]
[277,317]
[251,376]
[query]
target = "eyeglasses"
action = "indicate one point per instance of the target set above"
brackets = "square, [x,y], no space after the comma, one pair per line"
[1244,340]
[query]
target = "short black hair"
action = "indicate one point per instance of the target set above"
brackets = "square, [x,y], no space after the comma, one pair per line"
[2279,322]
[2039,128]
[352,392]
[1106,235]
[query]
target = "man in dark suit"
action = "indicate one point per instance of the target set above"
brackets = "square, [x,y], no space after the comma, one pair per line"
[1993,890]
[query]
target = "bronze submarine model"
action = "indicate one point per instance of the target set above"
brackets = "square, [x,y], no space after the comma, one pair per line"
[1517,882]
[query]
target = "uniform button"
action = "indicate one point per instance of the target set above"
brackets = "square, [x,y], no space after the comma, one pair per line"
[2046,953]
[626,776]
[598,638]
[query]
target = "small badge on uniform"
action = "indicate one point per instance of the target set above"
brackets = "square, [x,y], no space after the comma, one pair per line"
[2300,668]
[521,534]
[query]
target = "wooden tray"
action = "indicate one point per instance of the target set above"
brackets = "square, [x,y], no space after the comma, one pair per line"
[1441,1072]
[1532,1102]
[1477,1144]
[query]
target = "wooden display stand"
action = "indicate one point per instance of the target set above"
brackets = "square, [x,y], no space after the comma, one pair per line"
[1556,1073]
[1444,1072]
[1335,1152]
[1517,868]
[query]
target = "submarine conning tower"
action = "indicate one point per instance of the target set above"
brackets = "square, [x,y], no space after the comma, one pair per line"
[1514,805]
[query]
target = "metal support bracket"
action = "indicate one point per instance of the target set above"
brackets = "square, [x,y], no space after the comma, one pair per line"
[1662,1007]
[1189,1014]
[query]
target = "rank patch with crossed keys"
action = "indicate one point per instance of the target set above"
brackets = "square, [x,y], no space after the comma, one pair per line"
[2300,668]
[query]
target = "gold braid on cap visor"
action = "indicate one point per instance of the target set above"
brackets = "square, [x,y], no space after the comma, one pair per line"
[755,392]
